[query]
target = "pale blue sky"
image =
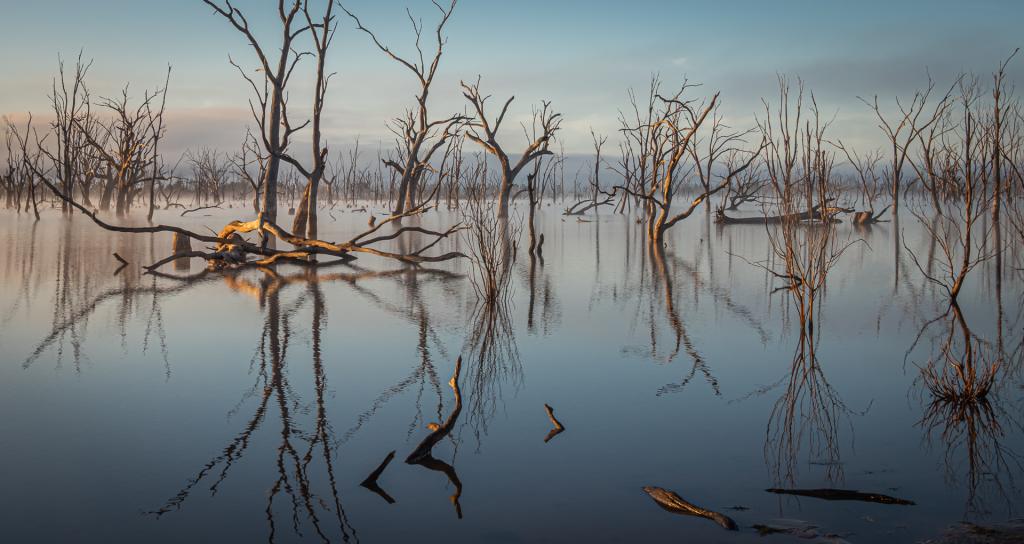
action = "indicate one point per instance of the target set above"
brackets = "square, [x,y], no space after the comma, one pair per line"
[582,55]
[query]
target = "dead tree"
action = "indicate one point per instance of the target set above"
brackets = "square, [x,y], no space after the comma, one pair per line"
[71,105]
[230,250]
[799,166]
[29,150]
[965,152]
[746,187]
[417,136]
[598,197]
[871,185]
[902,130]
[663,140]
[484,132]
[209,174]
[721,141]
[322,33]
[270,107]
[124,145]
[542,177]
[157,129]
[249,155]
[492,251]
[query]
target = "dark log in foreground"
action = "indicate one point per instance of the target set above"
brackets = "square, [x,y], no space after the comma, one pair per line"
[558,429]
[371,481]
[841,495]
[677,505]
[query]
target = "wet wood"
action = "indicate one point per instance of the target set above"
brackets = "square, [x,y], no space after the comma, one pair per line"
[200,208]
[423,454]
[677,505]
[181,243]
[813,215]
[868,217]
[841,495]
[371,481]
[423,451]
[558,427]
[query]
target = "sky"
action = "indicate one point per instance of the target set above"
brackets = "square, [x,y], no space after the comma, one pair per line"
[581,55]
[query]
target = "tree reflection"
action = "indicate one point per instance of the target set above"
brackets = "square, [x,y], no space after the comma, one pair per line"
[295,487]
[807,415]
[963,380]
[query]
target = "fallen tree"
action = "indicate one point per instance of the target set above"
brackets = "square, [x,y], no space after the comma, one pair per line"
[231,250]
[815,214]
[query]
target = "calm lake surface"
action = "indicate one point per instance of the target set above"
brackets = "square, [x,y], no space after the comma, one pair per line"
[249,406]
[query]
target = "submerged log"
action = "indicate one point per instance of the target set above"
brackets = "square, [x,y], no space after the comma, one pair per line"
[841,495]
[817,213]
[677,505]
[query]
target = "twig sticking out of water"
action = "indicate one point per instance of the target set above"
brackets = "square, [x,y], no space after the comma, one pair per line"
[559,428]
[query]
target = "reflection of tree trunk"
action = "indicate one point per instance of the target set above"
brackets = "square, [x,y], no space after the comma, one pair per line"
[896,248]
[533,291]
[656,253]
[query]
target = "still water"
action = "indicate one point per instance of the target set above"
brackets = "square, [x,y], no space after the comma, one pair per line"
[249,406]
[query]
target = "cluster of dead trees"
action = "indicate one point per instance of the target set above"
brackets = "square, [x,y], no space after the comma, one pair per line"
[953,158]
[106,145]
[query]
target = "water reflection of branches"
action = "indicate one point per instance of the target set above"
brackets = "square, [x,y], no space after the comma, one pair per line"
[297,448]
[491,343]
[663,282]
[962,378]
[807,414]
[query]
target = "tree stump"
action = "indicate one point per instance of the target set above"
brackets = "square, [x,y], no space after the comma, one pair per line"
[863,218]
[181,243]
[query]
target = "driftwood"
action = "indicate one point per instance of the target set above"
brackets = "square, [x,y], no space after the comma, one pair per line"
[423,454]
[815,214]
[558,429]
[842,495]
[232,250]
[371,481]
[587,204]
[868,217]
[677,505]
